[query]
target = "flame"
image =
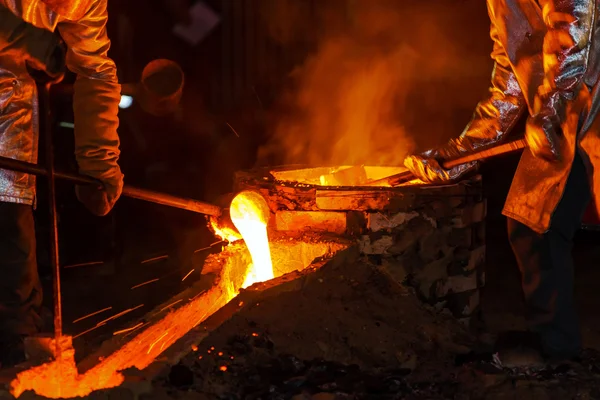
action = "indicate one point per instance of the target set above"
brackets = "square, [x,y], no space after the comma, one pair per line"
[250,214]
[224,232]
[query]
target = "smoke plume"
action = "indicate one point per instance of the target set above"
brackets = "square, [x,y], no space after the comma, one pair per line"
[375,66]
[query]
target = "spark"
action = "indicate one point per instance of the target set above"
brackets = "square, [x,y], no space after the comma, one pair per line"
[170,305]
[209,312]
[88,331]
[154,259]
[157,340]
[257,97]
[188,274]
[128,329]
[202,249]
[198,295]
[231,127]
[92,314]
[223,368]
[119,315]
[167,340]
[142,324]
[85,264]
[144,283]
[216,243]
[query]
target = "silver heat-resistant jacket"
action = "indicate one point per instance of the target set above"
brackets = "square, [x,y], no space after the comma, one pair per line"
[30,39]
[547,63]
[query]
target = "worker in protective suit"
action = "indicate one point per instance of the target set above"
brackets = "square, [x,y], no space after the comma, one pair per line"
[547,64]
[41,36]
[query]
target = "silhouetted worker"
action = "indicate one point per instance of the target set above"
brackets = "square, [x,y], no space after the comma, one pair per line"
[546,55]
[41,35]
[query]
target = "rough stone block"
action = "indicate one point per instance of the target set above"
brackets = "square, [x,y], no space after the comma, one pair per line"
[477,259]
[457,284]
[395,269]
[470,214]
[379,221]
[478,234]
[463,304]
[481,278]
[303,221]
[368,245]
[460,237]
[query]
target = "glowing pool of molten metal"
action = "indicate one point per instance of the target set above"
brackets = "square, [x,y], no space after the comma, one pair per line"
[250,214]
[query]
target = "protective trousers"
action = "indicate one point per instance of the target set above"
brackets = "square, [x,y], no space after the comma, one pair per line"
[20,288]
[546,265]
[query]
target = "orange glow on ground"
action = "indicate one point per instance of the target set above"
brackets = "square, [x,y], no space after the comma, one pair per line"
[61,379]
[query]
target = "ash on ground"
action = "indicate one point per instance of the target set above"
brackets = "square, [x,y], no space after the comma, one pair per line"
[351,332]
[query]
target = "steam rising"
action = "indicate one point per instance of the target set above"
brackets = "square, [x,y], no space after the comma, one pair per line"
[353,99]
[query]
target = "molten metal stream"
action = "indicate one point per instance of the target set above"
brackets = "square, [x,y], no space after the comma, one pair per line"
[250,214]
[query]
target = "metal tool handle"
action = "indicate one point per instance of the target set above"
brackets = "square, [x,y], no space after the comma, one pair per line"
[128,191]
[407,176]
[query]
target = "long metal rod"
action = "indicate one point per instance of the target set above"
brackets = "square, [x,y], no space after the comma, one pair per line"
[128,191]
[406,176]
[54,251]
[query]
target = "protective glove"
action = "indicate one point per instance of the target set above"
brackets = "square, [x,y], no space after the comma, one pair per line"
[543,132]
[426,166]
[99,199]
[42,50]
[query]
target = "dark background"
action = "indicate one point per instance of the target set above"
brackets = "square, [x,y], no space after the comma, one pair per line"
[237,78]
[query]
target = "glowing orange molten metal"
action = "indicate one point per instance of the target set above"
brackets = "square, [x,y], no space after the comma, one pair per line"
[250,214]
[224,232]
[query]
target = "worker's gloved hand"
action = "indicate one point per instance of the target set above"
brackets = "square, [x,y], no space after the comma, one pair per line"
[99,199]
[544,136]
[427,166]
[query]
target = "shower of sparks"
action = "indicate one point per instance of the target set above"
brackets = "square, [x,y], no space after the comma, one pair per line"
[128,329]
[167,340]
[92,314]
[102,323]
[85,264]
[144,283]
[154,259]
[156,341]
[188,274]
[170,305]
[202,249]
[207,313]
